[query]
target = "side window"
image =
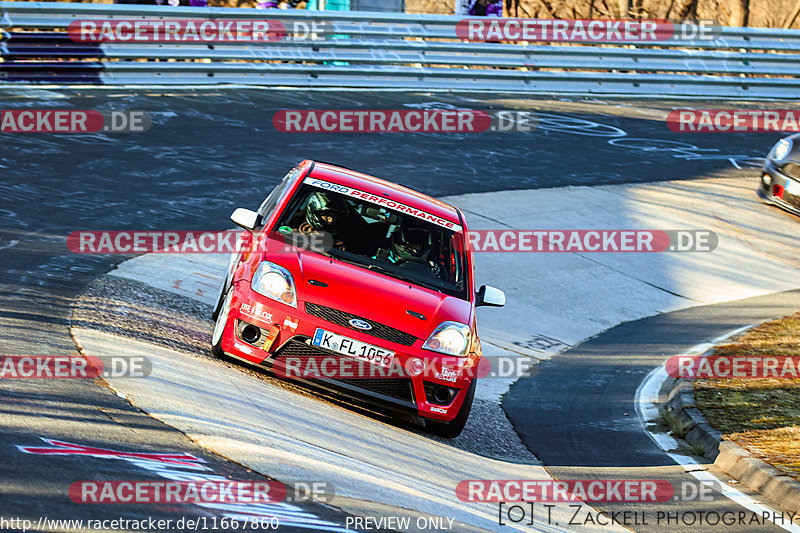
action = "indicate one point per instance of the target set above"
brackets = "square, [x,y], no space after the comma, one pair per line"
[276,195]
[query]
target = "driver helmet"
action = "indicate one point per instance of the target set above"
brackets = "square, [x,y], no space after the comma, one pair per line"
[411,241]
[325,211]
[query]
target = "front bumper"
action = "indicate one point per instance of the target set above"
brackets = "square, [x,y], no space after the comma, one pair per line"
[296,326]
[775,192]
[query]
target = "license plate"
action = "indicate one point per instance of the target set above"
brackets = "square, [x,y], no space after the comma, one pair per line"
[793,188]
[353,348]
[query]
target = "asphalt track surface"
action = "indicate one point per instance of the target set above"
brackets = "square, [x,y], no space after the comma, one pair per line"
[577,413]
[207,153]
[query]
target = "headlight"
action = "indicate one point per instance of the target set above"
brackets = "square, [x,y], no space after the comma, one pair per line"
[451,338]
[274,281]
[781,149]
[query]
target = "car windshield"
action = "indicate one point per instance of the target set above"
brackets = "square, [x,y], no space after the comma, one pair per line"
[379,238]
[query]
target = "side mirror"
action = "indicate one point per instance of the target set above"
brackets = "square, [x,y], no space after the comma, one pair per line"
[245,218]
[491,296]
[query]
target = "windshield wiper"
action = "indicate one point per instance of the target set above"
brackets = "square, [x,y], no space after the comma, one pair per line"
[344,256]
[384,270]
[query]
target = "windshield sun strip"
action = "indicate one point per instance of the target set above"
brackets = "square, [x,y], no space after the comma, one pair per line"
[383,202]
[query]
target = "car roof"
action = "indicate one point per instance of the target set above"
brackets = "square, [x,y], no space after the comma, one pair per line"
[387,189]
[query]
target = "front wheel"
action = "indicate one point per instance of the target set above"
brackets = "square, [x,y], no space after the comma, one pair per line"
[220,299]
[450,430]
[219,325]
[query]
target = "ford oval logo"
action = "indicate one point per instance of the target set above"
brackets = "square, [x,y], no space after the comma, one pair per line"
[360,324]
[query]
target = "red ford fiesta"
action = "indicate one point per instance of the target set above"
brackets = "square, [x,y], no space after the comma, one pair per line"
[361,286]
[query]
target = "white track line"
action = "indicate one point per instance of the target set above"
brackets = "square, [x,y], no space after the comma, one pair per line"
[647,409]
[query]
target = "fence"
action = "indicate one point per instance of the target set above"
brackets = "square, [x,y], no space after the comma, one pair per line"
[392,51]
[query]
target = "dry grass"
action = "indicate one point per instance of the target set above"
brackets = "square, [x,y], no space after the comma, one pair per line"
[763,415]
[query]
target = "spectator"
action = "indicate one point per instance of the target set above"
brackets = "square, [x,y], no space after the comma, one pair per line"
[486,8]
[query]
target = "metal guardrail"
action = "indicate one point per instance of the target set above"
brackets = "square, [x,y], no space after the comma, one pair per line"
[390,50]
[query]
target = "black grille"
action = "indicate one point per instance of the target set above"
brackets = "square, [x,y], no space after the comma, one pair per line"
[340,318]
[398,388]
[391,387]
[791,199]
[791,169]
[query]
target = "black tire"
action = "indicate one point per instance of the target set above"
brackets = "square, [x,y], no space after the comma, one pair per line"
[453,429]
[222,318]
[223,290]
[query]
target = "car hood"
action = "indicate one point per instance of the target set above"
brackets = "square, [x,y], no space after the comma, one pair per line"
[370,294]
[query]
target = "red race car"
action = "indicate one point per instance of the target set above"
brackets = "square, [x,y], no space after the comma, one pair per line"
[361,286]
